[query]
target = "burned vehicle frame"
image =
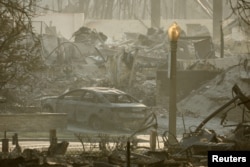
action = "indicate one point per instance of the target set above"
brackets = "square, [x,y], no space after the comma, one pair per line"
[199,141]
[99,108]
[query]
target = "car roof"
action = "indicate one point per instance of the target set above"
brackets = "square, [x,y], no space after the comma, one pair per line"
[103,90]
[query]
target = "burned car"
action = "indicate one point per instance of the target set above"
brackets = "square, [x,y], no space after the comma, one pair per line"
[98,107]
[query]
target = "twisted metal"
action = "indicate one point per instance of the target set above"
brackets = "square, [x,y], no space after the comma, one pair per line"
[241,8]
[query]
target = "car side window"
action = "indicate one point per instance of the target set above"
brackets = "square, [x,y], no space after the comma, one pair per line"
[123,99]
[89,97]
[76,95]
[110,97]
[119,98]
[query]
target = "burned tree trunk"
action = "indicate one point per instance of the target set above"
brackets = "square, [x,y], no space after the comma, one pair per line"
[109,9]
[19,46]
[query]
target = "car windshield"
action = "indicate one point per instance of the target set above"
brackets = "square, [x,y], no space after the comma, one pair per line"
[120,98]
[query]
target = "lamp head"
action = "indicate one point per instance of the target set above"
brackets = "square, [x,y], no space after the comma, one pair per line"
[174,32]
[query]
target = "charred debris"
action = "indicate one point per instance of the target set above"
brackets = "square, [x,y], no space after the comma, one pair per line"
[138,64]
[107,150]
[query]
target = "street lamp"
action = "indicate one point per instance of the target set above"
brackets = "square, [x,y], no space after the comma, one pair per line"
[174,32]
[173,35]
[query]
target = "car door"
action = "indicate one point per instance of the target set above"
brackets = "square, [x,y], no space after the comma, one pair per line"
[89,106]
[68,103]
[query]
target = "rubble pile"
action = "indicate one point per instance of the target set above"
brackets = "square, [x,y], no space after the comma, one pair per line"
[116,64]
[86,35]
[96,152]
[129,65]
[216,92]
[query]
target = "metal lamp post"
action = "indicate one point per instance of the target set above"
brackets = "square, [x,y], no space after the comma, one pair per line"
[173,35]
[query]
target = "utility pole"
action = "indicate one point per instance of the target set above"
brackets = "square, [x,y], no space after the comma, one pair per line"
[217,18]
[156,13]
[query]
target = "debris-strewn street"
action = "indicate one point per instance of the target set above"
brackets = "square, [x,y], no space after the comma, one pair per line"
[123,83]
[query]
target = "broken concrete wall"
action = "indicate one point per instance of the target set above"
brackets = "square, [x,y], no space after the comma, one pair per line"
[136,26]
[216,92]
[194,79]
[32,122]
[187,81]
[219,63]
[65,24]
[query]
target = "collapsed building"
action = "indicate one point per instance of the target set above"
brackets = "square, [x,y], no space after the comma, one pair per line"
[138,64]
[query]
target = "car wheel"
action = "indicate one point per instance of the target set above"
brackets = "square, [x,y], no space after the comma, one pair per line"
[47,109]
[95,123]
